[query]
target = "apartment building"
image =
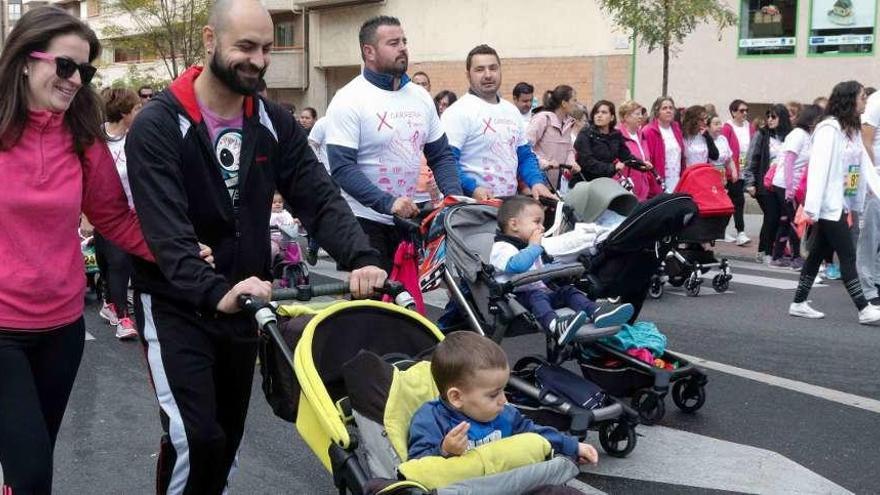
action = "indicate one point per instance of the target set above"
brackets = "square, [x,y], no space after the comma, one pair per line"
[544,43]
[781,50]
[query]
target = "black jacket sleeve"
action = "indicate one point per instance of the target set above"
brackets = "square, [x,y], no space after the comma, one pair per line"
[623,152]
[316,201]
[592,165]
[152,149]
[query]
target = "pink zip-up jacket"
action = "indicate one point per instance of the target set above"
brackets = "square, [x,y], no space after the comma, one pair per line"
[42,273]
[656,148]
[644,184]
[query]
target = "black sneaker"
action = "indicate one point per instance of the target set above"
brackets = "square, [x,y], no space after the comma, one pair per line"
[312,256]
[609,315]
[564,328]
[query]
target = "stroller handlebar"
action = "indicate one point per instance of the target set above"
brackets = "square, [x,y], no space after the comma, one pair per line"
[305,293]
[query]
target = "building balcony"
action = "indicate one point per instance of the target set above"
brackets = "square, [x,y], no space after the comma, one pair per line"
[287,70]
[278,5]
[317,4]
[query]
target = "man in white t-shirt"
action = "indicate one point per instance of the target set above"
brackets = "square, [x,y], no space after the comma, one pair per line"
[488,137]
[868,246]
[378,126]
[523,95]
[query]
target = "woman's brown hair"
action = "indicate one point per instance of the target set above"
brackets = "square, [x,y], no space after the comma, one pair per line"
[119,102]
[693,117]
[34,32]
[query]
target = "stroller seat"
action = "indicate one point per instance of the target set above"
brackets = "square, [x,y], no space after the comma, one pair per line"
[384,398]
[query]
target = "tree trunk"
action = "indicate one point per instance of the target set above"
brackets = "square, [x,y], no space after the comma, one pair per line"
[665,69]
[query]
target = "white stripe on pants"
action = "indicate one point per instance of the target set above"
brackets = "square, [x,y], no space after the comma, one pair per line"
[176,431]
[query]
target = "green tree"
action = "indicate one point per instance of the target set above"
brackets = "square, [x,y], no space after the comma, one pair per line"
[666,23]
[170,29]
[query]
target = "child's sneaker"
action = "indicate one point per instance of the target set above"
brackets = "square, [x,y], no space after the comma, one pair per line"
[564,328]
[609,315]
[108,312]
[125,329]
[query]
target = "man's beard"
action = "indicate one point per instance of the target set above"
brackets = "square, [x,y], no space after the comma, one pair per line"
[394,69]
[230,77]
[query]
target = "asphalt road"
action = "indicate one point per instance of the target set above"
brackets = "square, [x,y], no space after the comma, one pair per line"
[752,436]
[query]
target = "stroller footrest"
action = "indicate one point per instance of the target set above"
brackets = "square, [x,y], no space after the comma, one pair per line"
[607,413]
[589,332]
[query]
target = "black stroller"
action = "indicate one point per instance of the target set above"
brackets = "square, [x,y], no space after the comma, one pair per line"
[689,259]
[622,269]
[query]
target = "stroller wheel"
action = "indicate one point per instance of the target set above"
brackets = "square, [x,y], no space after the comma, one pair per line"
[618,438]
[720,283]
[692,286]
[656,289]
[688,395]
[650,406]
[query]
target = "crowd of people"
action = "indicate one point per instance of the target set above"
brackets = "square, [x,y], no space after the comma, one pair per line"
[178,189]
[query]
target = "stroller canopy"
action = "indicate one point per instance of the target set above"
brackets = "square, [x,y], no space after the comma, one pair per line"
[662,216]
[591,199]
[703,183]
[470,233]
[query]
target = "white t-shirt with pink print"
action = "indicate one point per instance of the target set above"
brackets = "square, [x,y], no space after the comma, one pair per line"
[389,129]
[488,135]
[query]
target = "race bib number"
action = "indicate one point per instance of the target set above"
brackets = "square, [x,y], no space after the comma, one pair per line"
[851,186]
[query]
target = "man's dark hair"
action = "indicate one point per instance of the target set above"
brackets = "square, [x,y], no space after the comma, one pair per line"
[312,112]
[367,35]
[734,105]
[481,50]
[460,356]
[422,73]
[523,88]
[146,86]
[512,207]
[261,85]
[290,107]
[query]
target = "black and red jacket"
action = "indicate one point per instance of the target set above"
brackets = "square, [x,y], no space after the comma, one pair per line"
[181,198]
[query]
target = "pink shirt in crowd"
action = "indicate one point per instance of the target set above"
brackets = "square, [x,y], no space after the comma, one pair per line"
[42,273]
[551,140]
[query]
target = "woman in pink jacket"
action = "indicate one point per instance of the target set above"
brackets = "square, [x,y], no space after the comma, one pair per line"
[550,132]
[56,165]
[665,142]
[645,186]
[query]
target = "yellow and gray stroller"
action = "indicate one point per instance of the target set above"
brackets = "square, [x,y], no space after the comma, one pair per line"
[358,381]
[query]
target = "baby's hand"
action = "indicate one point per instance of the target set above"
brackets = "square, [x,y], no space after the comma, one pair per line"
[587,454]
[537,235]
[456,441]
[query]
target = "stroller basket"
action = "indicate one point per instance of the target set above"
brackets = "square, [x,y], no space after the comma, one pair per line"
[705,229]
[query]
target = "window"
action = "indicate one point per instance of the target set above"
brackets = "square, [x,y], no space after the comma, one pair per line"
[121,55]
[842,27]
[284,35]
[767,27]
[14,12]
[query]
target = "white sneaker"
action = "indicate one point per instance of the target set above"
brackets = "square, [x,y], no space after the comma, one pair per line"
[108,312]
[804,310]
[742,239]
[729,237]
[869,314]
[125,329]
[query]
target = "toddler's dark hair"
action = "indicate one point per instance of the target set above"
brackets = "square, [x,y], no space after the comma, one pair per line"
[512,207]
[461,354]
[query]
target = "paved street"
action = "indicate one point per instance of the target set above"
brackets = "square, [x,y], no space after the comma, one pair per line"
[778,419]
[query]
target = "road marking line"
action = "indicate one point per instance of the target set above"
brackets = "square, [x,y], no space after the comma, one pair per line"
[774,283]
[584,488]
[678,291]
[832,395]
[89,336]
